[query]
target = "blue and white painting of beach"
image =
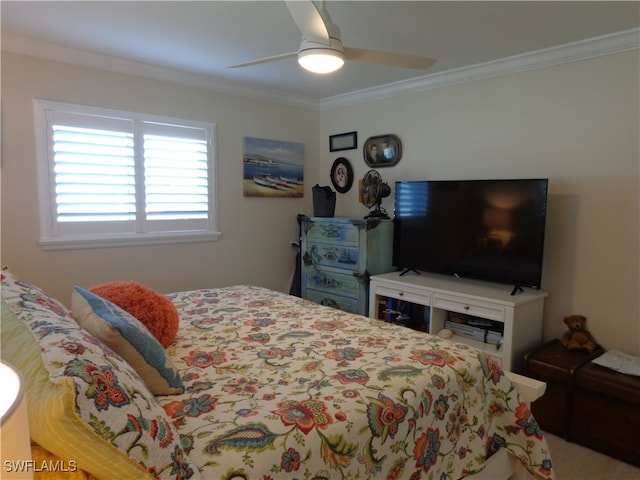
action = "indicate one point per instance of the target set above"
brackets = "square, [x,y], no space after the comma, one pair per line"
[273,168]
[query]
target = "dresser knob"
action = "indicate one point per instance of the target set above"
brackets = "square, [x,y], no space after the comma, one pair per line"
[400,294]
[466,307]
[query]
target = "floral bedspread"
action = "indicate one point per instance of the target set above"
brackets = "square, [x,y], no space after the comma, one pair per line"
[278,387]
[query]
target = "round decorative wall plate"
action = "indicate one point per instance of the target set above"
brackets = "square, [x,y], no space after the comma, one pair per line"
[342,175]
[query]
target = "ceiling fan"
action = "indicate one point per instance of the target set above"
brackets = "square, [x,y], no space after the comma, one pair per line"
[321,49]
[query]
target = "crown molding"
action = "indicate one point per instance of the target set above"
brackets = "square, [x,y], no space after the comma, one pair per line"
[571,52]
[75,56]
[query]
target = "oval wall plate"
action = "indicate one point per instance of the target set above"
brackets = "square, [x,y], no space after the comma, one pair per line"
[382,151]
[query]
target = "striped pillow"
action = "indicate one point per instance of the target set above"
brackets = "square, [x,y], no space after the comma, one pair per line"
[129,338]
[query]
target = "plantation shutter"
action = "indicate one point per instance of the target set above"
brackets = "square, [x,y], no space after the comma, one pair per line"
[94,174]
[110,177]
[175,174]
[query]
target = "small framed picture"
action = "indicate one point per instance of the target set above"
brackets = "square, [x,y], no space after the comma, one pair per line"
[343,141]
[342,175]
[382,151]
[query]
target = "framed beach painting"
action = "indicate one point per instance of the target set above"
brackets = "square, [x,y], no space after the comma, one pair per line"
[273,168]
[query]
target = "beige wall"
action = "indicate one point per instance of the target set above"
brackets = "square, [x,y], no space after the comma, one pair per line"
[256,232]
[576,124]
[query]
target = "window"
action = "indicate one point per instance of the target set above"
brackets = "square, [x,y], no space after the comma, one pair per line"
[111,178]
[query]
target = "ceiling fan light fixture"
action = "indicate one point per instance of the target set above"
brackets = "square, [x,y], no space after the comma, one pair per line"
[321,60]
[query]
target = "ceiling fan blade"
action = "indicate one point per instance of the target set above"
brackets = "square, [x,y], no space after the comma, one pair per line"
[387,58]
[264,60]
[311,20]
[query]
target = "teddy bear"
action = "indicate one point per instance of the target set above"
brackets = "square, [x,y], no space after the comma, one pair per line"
[578,337]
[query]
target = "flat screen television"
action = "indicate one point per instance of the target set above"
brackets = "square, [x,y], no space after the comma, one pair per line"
[490,230]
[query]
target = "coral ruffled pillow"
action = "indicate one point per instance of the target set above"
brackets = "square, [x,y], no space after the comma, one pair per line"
[154,310]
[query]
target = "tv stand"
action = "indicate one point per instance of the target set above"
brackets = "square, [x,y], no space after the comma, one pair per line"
[516,289]
[436,297]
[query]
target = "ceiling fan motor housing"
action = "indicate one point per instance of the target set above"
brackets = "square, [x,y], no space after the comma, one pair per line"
[319,56]
[335,41]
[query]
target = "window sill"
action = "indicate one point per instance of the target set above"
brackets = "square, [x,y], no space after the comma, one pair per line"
[125,240]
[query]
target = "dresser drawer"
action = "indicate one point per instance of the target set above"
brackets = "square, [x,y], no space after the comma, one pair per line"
[337,256]
[408,294]
[333,281]
[470,307]
[339,233]
[345,304]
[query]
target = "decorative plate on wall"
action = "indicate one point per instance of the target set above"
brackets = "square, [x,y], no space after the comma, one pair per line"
[342,175]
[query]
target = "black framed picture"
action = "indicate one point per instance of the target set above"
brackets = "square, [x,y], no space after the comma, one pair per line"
[342,175]
[343,141]
[382,151]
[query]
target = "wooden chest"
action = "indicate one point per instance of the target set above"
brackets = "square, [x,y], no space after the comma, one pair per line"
[556,366]
[606,412]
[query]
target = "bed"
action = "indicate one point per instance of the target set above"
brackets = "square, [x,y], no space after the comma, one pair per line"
[279,387]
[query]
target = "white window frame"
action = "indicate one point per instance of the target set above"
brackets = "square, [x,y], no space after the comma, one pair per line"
[105,233]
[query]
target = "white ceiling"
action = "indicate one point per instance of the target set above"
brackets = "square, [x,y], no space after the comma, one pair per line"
[204,37]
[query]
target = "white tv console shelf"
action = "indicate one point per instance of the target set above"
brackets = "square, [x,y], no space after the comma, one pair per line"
[521,313]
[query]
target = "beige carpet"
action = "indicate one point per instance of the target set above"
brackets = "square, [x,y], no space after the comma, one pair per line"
[575,462]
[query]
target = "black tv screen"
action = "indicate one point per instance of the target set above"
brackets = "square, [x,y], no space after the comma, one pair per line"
[489,230]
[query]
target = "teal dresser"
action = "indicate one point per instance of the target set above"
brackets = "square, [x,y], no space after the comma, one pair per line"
[339,255]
